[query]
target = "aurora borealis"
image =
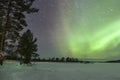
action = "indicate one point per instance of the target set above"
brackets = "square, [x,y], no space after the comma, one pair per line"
[87,29]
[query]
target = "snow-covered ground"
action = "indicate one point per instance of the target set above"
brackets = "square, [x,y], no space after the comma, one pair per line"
[60,71]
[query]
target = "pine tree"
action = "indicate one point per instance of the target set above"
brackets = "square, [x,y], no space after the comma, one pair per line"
[12,18]
[27,46]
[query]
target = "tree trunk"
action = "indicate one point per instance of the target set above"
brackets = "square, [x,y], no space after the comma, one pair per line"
[2,37]
[1,42]
[5,27]
[1,58]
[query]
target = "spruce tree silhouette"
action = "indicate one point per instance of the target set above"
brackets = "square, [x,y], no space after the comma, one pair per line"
[27,46]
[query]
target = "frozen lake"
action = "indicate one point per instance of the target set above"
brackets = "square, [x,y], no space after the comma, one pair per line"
[60,71]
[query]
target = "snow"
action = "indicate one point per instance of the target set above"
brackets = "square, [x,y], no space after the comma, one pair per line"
[11,70]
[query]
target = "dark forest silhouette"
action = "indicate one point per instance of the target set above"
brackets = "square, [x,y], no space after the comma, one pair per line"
[52,59]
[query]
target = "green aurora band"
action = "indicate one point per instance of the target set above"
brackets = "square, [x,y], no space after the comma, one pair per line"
[90,29]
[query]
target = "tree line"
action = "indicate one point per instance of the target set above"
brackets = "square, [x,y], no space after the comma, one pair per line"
[56,59]
[52,59]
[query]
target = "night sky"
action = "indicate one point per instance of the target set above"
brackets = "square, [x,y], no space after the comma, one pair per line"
[86,29]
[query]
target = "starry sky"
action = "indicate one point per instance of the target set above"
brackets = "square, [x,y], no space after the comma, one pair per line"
[86,29]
